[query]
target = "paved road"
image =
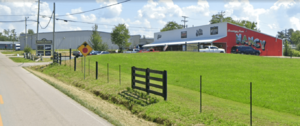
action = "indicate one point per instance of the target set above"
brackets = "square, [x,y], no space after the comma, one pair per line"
[26,100]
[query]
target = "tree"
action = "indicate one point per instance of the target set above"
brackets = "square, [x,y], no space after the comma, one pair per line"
[120,36]
[96,40]
[171,25]
[287,35]
[30,32]
[244,23]
[287,49]
[295,37]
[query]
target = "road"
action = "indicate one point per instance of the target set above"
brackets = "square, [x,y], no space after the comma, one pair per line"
[26,100]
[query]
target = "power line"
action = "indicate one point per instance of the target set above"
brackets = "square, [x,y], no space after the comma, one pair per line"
[18,15]
[99,24]
[184,21]
[16,21]
[48,22]
[94,9]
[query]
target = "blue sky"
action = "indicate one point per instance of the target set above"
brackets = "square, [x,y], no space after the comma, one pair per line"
[146,17]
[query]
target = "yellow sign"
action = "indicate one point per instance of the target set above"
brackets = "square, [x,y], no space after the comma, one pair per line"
[85,49]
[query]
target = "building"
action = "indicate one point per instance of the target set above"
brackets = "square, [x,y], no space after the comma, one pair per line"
[223,35]
[72,39]
[7,44]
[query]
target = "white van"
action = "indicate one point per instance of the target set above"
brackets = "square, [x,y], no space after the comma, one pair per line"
[18,47]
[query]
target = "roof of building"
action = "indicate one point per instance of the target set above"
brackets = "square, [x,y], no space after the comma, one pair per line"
[227,23]
[9,42]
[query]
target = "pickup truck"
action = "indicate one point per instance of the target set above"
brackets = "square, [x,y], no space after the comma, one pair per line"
[212,49]
[148,50]
[77,53]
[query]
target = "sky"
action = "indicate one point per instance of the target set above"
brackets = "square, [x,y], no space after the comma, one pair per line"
[145,17]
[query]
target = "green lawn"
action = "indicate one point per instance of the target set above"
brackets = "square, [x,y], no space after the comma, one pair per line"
[226,84]
[23,60]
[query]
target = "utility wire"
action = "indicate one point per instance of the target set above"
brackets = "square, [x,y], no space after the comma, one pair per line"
[16,21]
[98,24]
[94,9]
[48,22]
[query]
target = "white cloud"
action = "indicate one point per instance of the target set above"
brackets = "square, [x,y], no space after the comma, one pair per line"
[162,22]
[110,12]
[4,10]
[160,9]
[88,18]
[295,22]
[71,17]
[283,3]
[76,10]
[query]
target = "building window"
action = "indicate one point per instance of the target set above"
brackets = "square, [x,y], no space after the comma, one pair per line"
[214,30]
[183,34]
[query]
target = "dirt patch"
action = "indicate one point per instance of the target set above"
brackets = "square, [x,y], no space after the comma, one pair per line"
[124,116]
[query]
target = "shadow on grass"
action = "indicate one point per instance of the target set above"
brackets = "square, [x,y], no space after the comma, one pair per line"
[138,97]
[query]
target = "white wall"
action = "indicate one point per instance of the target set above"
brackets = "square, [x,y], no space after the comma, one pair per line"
[175,35]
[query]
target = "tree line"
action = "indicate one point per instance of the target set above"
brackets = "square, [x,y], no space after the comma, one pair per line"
[216,18]
[11,35]
[119,36]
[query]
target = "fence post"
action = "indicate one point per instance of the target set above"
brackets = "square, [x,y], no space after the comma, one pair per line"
[165,85]
[250,103]
[185,46]
[198,46]
[132,77]
[96,70]
[70,53]
[120,74]
[200,93]
[59,58]
[65,59]
[74,63]
[147,80]
[107,73]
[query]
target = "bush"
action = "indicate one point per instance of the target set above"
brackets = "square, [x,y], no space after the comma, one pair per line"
[27,49]
[295,53]
[298,47]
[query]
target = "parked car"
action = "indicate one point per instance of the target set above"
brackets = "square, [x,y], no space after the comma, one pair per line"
[77,53]
[212,49]
[244,50]
[102,52]
[94,52]
[147,50]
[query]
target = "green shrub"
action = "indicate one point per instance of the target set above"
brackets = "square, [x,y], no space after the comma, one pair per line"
[27,49]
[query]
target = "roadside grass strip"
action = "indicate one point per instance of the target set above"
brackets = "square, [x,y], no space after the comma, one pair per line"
[23,60]
[225,77]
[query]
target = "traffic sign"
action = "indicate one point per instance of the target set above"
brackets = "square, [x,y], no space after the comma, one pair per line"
[85,49]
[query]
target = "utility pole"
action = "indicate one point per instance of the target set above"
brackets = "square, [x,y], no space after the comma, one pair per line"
[26,30]
[53,28]
[38,21]
[184,21]
[222,13]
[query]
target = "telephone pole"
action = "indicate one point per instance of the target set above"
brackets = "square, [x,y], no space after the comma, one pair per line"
[184,26]
[38,21]
[26,30]
[222,13]
[53,28]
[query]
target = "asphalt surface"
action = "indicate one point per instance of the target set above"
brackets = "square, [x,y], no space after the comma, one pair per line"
[26,100]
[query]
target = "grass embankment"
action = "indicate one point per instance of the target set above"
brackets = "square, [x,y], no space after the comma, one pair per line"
[226,79]
[23,60]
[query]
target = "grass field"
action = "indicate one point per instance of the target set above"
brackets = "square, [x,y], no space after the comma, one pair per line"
[226,79]
[23,60]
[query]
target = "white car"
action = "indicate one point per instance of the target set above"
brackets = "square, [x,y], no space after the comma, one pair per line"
[212,49]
